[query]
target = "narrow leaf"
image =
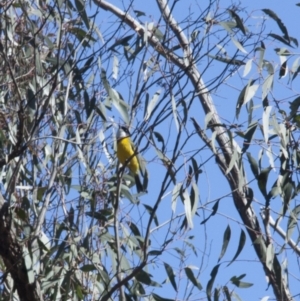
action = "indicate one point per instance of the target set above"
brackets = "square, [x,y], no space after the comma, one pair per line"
[145,278]
[214,211]
[262,180]
[279,38]
[238,20]
[175,194]
[267,85]
[237,282]
[270,257]
[192,278]
[247,67]
[234,160]
[174,109]
[226,60]
[171,275]
[158,298]
[151,212]
[282,27]
[152,104]
[124,42]
[266,117]
[238,45]
[240,247]
[249,135]
[292,222]
[210,283]
[226,239]
[253,165]
[188,209]
[243,96]
[115,67]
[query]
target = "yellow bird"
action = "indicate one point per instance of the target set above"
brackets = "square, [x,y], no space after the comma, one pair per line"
[127,155]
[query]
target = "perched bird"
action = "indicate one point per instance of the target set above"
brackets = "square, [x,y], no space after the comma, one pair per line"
[127,155]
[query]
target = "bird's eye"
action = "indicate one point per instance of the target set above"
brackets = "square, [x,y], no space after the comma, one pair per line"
[125,129]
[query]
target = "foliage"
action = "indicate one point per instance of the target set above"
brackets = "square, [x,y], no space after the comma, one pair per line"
[72,226]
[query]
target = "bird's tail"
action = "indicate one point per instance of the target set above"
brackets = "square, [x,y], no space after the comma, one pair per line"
[138,183]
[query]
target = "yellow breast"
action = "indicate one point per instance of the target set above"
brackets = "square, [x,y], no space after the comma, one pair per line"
[124,152]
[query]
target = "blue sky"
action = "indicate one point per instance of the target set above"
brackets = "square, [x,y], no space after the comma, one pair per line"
[212,185]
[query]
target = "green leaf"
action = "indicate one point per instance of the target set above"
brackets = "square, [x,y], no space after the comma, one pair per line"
[139,13]
[174,109]
[194,35]
[188,209]
[194,197]
[246,94]
[175,194]
[217,294]
[265,120]
[124,42]
[294,106]
[226,239]
[279,38]
[238,20]
[210,283]
[262,182]
[28,264]
[241,245]
[115,67]
[151,212]
[229,61]
[228,26]
[134,228]
[81,35]
[152,104]
[88,268]
[118,102]
[249,195]
[267,85]
[270,257]
[171,275]
[287,192]
[158,298]
[180,252]
[80,5]
[101,111]
[292,222]
[235,158]
[226,293]
[238,45]
[192,278]
[79,292]
[102,214]
[155,31]
[145,278]
[31,100]
[155,253]
[295,68]
[248,67]
[282,27]
[160,139]
[196,169]
[237,282]
[249,135]
[282,52]
[214,211]
[253,165]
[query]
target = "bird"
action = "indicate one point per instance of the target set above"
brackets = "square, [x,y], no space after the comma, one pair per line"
[127,155]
